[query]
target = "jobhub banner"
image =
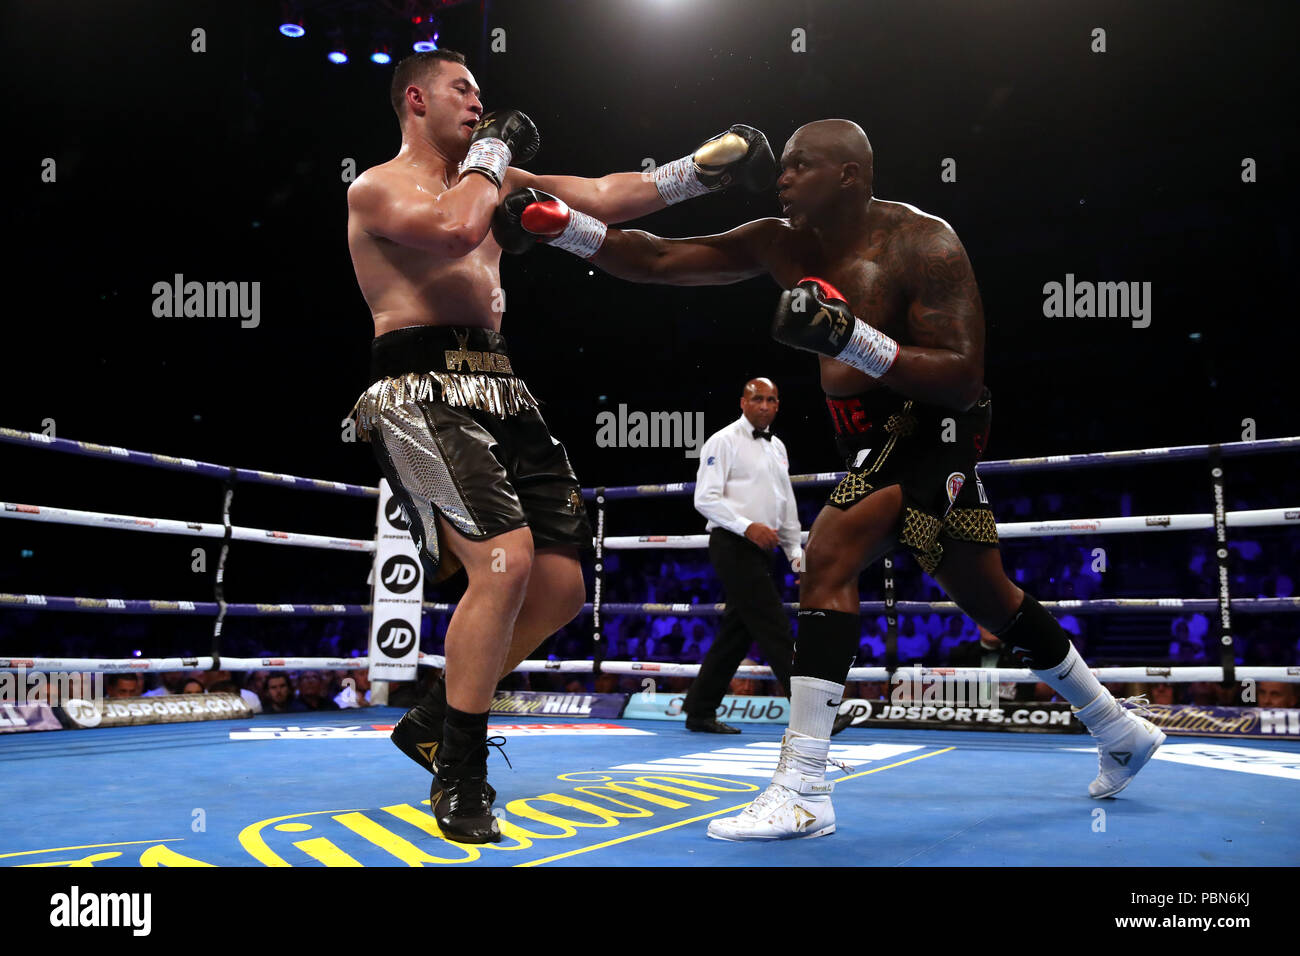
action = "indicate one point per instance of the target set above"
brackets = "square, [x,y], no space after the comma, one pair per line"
[754,710]
[397,595]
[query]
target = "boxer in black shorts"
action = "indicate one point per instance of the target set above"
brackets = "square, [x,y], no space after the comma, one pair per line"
[930,452]
[901,356]
[456,433]
[459,436]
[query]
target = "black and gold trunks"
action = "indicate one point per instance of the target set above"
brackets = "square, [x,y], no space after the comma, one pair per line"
[930,452]
[457,434]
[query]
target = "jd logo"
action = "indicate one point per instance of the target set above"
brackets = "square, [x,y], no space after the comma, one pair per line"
[396,638]
[394,515]
[400,574]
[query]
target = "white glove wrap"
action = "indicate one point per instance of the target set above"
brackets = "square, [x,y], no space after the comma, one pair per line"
[869,350]
[677,181]
[491,157]
[583,236]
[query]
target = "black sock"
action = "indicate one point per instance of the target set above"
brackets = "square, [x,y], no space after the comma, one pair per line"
[1034,636]
[826,644]
[436,699]
[464,736]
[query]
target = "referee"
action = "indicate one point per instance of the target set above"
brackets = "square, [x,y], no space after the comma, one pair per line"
[743,489]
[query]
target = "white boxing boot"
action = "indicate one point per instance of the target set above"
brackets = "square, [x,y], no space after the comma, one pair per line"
[796,804]
[1125,742]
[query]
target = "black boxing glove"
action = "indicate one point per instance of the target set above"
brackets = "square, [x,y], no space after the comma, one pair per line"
[739,155]
[815,316]
[500,138]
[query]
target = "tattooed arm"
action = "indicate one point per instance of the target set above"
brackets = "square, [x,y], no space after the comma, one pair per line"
[944,365]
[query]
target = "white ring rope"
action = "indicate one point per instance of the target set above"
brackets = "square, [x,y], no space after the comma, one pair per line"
[195,529]
[1267,517]
[1256,518]
[1013,675]
[131,665]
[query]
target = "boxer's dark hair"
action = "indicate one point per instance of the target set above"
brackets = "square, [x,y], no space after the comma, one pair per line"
[416,68]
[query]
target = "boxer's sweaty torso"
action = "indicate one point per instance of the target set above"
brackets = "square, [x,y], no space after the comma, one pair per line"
[885,437]
[405,286]
[877,274]
[455,432]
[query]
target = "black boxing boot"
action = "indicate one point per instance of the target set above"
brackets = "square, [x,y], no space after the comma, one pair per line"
[460,796]
[419,733]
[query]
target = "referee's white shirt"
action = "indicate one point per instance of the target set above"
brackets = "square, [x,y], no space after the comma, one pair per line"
[742,480]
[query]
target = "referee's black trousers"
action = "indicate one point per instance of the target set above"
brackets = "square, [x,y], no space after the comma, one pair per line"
[754,613]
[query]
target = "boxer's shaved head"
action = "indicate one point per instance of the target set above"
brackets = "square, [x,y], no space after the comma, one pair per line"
[838,141]
[824,165]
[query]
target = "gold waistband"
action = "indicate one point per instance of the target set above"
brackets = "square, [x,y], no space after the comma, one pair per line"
[477,361]
[496,394]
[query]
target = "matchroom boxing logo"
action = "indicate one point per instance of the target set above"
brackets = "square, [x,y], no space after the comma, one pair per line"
[1098,300]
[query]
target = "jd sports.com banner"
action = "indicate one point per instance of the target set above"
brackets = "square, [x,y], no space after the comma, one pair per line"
[1025,717]
[397,595]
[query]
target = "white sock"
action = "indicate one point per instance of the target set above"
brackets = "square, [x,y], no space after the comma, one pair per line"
[814,703]
[1073,681]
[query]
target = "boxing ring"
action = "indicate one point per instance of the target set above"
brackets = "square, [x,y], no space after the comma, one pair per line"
[328,789]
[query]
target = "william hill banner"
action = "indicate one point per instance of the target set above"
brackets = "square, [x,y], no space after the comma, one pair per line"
[539,704]
[1196,721]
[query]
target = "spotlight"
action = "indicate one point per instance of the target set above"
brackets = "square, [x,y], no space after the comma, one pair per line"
[292,29]
[426,38]
[337,45]
[380,57]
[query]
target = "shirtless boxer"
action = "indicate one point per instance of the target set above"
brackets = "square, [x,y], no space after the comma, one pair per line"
[458,436]
[904,382]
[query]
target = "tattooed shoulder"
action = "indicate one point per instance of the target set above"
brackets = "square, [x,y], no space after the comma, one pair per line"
[945,304]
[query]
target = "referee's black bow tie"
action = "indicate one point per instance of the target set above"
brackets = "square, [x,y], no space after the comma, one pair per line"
[758,433]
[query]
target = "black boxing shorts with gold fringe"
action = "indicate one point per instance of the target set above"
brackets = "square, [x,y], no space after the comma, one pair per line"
[457,434]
